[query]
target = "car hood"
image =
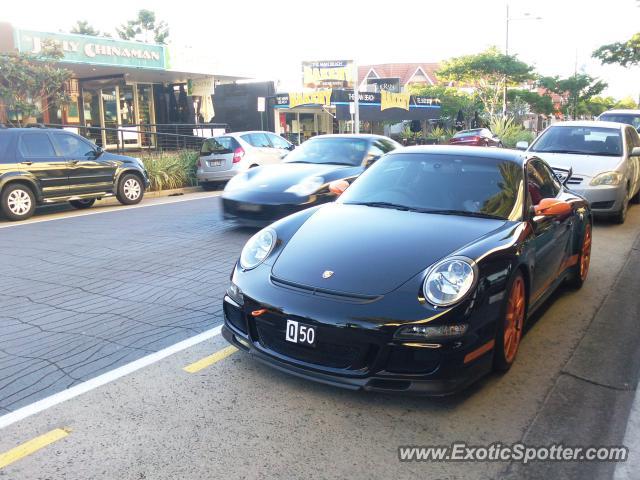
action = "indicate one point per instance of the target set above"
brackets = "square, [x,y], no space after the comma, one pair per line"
[582,165]
[277,178]
[371,250]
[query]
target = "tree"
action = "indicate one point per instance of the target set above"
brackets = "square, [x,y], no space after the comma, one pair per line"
[144,27]
[542,104]
[621,53]
[580,88]
[32,84]
[82,27]
[451,99]
[487,72]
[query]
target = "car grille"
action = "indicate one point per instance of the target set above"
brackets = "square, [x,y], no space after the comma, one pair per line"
[235,317]
[562,173]
[327,353]
[251,211]
[602,205]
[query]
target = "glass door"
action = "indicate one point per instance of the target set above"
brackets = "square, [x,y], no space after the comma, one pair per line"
[145,113]
[110,114]
[92,115]
[127,115]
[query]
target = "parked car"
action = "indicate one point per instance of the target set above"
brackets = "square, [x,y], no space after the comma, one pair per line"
[630,117]
[600,159]
[419,278]
[221,158]
[478,137]
[47,165]
[262,195]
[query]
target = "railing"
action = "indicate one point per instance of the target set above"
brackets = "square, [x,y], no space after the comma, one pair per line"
[155,136]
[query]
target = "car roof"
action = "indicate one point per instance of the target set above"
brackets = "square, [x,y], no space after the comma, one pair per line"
[516,156]
[622,111]
[29,129]
[589,123]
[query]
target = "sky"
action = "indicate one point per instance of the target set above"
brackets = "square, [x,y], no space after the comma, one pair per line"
[268,39]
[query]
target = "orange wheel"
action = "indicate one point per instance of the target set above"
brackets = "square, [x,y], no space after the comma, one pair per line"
[585,253]
[510,330]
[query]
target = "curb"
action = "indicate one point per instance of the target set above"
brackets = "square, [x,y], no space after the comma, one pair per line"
[596,388]
[158,194]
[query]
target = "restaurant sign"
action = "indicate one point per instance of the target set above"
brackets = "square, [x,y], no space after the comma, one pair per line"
[94,50]
[328,73]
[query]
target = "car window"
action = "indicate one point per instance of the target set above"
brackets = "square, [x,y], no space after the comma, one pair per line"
[468,133]
[629,119]
[332,150]
[486,132]
[580,140]
[376,149]
[279,142]
[256,140]
[4,142]
[69,145]
[479,185]
[36,144]
[385,145]
[218,145]
[541,182]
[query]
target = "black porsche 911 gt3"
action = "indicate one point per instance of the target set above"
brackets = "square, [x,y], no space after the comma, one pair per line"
[419,278]
[264,194]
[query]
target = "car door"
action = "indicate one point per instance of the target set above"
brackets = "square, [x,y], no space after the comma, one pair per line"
[632,140]
[262,151]
[89,170]
[551,234]
[36,154]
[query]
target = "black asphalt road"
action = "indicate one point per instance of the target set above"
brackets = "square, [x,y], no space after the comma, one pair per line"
[84,295]
[121,284]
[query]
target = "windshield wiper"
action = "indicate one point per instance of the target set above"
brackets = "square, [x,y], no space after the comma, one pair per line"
[381,205]
[464,213]
[576,152]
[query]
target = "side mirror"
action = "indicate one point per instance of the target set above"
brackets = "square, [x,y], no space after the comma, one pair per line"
[552,207]
[291,147]
[635,152]
[522,145]
[99,151]
[337,187]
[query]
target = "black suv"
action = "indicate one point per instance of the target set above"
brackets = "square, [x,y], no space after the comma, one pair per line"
[47,165]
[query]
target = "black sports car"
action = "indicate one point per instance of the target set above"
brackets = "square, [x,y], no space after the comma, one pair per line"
[420,277]
[264,194]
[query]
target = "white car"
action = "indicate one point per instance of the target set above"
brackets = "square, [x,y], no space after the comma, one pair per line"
[222,157]
[598,160]
[632,117]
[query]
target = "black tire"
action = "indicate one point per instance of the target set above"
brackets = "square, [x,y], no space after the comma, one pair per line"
[503,357]
[17,202]
[82,204]
[209,186]
[621,215]
[130,189]
[500,145]
[581,269]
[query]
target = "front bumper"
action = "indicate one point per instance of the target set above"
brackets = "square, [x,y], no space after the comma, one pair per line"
[604,200]
[258,214]
[357,358]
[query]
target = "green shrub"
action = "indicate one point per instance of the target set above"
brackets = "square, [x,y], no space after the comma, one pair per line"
[509,132]
[168,170]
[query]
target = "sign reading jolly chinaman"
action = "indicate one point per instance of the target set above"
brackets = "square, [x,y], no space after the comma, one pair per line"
[94,50]
[328,74]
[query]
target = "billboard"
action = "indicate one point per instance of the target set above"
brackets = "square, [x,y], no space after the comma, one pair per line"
[328,74]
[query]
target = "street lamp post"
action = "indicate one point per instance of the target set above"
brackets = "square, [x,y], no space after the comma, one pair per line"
[527,16]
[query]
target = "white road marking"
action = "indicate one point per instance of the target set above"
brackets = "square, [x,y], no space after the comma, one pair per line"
[107,209]
[629,470]
[105,378]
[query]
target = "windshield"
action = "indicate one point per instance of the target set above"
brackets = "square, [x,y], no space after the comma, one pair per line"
[456,184]
[628,118]
[580,141]
[343,151]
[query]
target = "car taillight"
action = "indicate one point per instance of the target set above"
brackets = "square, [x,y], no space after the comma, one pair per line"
[199,163]
[474,139]
[238,153]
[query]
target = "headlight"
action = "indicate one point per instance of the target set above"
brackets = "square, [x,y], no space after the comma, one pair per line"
[306,186]
[258,248]
[236,182]
[607,178]
[449,281]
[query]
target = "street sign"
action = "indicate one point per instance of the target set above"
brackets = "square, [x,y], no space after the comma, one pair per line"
[261,104]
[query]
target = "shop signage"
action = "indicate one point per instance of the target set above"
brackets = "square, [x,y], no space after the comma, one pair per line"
[328,73]
[94,50]
[201,87]
[388,84]
[320,97]
[394,100]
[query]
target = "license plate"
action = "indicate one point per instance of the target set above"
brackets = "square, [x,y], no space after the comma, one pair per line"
[247,207]
[300,333]
[215,163]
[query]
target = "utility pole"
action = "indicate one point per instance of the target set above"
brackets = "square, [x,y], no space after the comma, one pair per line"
[356,100]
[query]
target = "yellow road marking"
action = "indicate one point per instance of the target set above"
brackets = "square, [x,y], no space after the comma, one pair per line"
[32,446]
[210,360]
